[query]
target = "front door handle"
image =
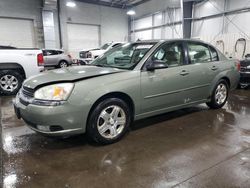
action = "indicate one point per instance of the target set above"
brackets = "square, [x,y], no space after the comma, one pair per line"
[214,68]
[184,73]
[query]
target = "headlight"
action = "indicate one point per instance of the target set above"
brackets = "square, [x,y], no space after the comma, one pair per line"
[89,55]
[55,92]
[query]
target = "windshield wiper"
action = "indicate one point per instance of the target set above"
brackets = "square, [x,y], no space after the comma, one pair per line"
[99,65]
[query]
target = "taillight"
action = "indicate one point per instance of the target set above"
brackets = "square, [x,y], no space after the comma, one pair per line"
[238,65]
[40,60]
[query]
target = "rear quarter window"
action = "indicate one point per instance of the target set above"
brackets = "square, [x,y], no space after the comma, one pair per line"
[214,54]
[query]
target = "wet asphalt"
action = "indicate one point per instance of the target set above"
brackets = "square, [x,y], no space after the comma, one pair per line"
[193,147]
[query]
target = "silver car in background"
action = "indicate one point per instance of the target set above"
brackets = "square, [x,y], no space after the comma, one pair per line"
[56,58]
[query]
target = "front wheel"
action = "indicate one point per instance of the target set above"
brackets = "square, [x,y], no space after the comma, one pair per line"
[219,95]
[109,121]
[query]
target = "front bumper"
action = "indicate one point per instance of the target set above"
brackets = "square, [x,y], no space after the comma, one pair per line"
[63,120]
[245,78]
[87,60]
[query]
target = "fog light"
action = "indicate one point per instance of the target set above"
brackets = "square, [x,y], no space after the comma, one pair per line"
[43,128]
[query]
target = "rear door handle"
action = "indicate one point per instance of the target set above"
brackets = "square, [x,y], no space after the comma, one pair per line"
[184,73]
[214,68]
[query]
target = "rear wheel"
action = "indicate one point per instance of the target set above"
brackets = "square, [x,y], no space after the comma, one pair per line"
[219,95]
[109,121]
[10,82]
[63,64]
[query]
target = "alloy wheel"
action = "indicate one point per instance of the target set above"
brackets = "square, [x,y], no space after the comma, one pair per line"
[63,64]
[9,83]
[221,94]
[111,122]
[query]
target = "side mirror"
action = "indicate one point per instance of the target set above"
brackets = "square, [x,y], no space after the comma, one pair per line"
[156,64]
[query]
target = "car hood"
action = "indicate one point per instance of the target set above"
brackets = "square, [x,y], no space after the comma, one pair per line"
[70,74]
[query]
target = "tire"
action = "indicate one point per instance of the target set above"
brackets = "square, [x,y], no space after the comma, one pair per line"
[219,95]
[10,82]
[102,127]
[63,64]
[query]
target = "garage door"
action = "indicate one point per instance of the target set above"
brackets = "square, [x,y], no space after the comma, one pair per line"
[17,32]
[82,37]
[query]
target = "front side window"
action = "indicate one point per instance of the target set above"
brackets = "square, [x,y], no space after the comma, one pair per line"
[170,54]
[124,57]
[198,53]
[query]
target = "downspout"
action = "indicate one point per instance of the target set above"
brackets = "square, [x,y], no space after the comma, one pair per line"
[59,23]
[182,14]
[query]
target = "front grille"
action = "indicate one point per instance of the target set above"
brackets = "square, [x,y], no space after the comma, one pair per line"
[83,54]
[26,95]
[242,69]
[28,92]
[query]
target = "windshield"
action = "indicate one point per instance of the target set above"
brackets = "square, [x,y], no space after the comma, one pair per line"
[105,46]
[124,57]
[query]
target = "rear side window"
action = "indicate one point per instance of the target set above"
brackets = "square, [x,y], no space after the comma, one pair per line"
[44,53]
[214,54]
[60,52]
[51,52]
[198,53]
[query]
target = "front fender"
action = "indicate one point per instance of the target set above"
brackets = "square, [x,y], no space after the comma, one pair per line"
[87,92]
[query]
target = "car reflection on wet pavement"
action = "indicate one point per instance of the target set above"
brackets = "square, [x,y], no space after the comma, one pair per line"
[193,147]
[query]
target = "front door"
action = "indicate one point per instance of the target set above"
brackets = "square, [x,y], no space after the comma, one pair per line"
[164,88]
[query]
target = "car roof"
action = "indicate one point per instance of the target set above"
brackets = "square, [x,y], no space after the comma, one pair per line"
[53,50]
[7,47]
[170,40]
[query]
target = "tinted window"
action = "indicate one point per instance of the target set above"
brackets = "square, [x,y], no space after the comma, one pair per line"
[171,54]
[198,53]
[59,52]
[214,54]
[49,52]
[44,52]
[117,44]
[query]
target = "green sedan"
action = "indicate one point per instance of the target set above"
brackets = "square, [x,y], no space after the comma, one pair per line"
[130,82]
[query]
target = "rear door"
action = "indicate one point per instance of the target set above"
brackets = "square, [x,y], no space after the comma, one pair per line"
[202,68]
[51,58]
